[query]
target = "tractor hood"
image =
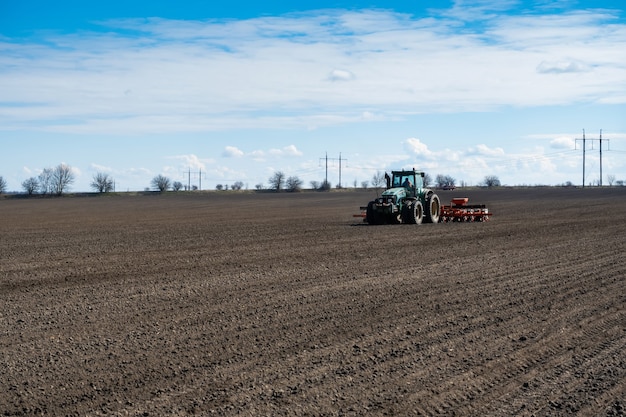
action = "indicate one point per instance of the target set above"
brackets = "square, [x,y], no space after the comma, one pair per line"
[398,193]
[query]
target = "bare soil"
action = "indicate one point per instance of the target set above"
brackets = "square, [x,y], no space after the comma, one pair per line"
[283,304]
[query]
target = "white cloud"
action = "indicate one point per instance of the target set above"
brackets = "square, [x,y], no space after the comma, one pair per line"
[192,161]
[417,147]
[561,67]
[287,151]
[340,75]
[179,76]
[563,142]
[75,170]
[260,155]
[139,172]
[484,150]
[232,152]
[470,164]
[226,174]
[100,168]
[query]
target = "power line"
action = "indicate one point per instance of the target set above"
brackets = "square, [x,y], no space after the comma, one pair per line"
[340,159]
[592,140]
[189,173]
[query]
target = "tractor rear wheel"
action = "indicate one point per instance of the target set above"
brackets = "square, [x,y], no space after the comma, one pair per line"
[413,213]
[432,209]
[371,216]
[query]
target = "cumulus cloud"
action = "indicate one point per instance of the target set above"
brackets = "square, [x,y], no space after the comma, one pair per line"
[485,150]
[290,150]
[192,161]
[75,170]
[416,147]
[232,152]
[563,142]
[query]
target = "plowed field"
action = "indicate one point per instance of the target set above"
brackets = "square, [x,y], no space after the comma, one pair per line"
[282,304]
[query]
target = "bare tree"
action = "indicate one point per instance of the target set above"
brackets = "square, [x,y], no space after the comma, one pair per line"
[62,178]
[611,179]
[3,185]
[445,181]
[177,186]
[491,181]
[238,185]
[378,180]
[161,183]
[45,181]
[294,184]
[30,185]
[277,181]
[102,183]
[365,184]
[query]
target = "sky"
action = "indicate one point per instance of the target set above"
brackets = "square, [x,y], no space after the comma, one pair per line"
[210,93]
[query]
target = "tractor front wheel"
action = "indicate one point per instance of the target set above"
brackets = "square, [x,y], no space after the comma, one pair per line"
[395,218]
[413,213]
[371,216]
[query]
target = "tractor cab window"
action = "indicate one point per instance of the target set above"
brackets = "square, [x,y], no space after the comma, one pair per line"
[403,181]
[407,181]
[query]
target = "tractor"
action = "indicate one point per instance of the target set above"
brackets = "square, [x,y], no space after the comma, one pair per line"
[405,200]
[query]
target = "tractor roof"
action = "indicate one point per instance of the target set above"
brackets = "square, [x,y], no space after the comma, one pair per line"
[407,172]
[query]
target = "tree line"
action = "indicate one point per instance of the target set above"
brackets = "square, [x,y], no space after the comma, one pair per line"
[57,180]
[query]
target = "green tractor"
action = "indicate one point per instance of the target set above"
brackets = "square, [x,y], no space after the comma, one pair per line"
[405,200]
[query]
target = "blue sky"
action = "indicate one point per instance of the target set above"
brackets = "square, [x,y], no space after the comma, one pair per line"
[239,90]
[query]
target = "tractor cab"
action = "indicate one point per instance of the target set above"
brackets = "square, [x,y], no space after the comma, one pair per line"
[411,181]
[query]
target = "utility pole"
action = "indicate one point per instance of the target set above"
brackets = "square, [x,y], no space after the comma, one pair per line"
[199,174]
[600,157]
[339,169]
[340,159]
[326,177]
[584,149]
[584,140]
[583,158]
